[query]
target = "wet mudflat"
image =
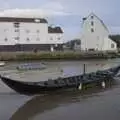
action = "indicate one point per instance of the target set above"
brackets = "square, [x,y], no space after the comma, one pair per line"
[103,104]
[93,105]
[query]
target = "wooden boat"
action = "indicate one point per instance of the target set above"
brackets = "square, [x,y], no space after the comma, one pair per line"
[98,78]
[31,66]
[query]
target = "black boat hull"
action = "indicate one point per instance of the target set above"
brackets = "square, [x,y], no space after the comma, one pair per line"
[30,88]
[99,78]
[27,88]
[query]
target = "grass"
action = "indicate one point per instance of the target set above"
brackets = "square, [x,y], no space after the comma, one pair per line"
[71,55]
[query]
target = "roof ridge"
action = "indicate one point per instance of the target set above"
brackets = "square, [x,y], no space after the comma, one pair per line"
[98,19]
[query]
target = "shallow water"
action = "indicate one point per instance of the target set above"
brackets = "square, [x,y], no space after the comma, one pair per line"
[102,105]
[94,105]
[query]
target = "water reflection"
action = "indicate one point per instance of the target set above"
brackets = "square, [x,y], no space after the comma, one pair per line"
[40,104]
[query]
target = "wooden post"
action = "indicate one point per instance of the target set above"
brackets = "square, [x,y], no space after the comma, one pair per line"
[103,84]
[80,86]
[84,69]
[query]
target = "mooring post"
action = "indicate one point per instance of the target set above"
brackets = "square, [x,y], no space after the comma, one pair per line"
[103,84]
[80,86]
[84,69]
[109,83]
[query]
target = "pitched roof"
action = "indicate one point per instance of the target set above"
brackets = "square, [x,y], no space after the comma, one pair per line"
[27,20]
[92,14]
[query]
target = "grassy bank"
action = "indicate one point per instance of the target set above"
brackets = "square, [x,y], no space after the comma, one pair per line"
[20,56]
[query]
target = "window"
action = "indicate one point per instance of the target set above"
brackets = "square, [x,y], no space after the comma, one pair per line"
[92,30]
[96,49]
[16,30]
[58,38]
[16,26]
[6,39]
[92,23]
[38,39]
[78,42]
[16,38]
[112,45]
[51,38]
[38,31]
[28,39]
[91,49]
[98,37]
[5,30]
[55,82]
[27,31]
[92,17]
[56,45]
[45,83]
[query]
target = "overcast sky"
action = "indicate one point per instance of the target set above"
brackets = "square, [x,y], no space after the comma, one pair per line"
[66,13]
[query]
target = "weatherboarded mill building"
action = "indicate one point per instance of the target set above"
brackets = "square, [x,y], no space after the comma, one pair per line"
[29,34]
[95,35]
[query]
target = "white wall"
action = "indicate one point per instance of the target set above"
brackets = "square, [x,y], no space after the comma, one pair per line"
[34,36]
[28,30]
[108,43]
[55,38]
[6,31]
[98,39]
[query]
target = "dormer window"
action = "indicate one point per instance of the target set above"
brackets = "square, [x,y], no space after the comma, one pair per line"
[92,17]
[16,25]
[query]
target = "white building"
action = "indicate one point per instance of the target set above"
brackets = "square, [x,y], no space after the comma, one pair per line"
[95,35]
[29,34]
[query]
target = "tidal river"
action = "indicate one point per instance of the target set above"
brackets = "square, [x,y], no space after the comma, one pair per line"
[95,105]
